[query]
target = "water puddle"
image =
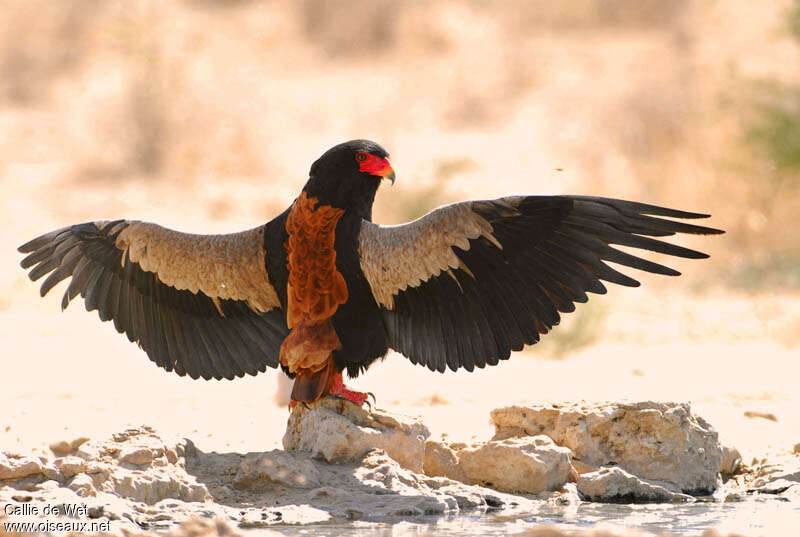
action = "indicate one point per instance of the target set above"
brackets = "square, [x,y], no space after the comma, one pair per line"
[755,516]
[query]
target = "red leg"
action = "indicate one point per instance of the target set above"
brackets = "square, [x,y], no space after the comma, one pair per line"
[340,390]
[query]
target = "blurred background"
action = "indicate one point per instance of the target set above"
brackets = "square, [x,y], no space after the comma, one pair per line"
[205,115]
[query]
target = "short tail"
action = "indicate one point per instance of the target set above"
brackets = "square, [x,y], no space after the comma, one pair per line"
[311,385]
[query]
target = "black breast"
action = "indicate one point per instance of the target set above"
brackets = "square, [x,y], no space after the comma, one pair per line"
[357,322]
[275,237]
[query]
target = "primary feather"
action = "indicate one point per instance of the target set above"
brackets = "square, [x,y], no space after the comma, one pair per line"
[461,287]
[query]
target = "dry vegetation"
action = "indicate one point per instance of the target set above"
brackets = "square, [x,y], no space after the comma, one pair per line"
[665,101]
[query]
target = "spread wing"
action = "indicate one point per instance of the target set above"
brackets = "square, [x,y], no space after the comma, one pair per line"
[467,283]
[200,305]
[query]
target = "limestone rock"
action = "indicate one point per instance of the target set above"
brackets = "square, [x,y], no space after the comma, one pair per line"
[70,465]
[528,464]
[97,469]
[776,486]
[442,460]
[655,441]
[787,468]
[154,486]
[279,467]
[136,455]
[16,466]
[83,485]
[582,468]
[137,479]
[138,447]
[373,487]
[122,479]
[340,431]
[566,496]
[731,461]
[383,488]
[773,476]
[792,493]
[50,471]
[616,485]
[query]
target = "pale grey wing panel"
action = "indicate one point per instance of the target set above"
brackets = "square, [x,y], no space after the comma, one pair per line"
[228,266]
[468,283]
[198,305]
[394,258]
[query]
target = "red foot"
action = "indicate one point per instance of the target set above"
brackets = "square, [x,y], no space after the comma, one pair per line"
[340,390]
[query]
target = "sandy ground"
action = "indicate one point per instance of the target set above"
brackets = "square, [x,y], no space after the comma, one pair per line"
[68,375]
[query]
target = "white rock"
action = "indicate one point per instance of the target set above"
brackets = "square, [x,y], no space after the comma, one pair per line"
[136,455]
[776,475]
[340,431]
[91,451]
[277,487]
[567,496]
[786,468]
[98,472]
[277,466]
[792,493]
[528,464]
[372,487]
[731,461]
[384,488]
[16,466]
[50,471]
[155,485]
[652,440]
[70,465]
[83,485]
[48,486]
[441,459]
[97,469]
[255,490]
[782,465]
[617,485]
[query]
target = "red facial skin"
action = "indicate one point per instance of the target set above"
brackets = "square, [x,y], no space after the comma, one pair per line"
[374,165]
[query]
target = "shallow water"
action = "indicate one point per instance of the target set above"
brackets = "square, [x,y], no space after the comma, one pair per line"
[755,516]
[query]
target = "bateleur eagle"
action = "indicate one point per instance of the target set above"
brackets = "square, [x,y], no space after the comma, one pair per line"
[321,289]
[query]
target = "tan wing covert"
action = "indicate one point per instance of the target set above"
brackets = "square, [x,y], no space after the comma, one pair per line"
[467,283]
[200,305]
[396,257]
[223,266]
